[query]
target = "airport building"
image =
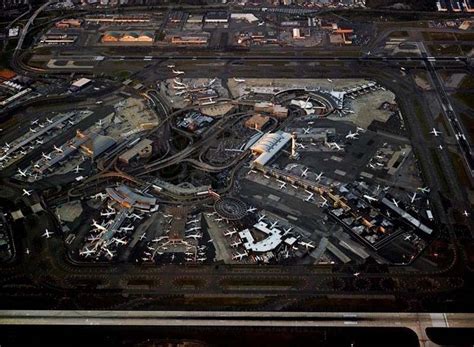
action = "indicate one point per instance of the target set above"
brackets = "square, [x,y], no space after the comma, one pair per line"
[268,146]
[217,17]
[128,198]
[257,121]
[274,238]
[142,149]
[128,36]
[187,40]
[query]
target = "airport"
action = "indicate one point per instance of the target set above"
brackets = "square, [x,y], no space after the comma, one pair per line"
[237,159]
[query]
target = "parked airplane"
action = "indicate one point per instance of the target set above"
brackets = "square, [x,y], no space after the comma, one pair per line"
[100,196]
[193,236]
[107,214]
[239,80]
[282,185]
[192,221]
[193,229]
[230,232]
[424,190]
[310,197]
[49,121]
[34,122]
[466,214]
[435,132]
[119,241]
[260,218]
[46,156]
[58,149]
[27,251]
[352,135]
[98,226]
[240,256]
[87,252]
[329,80]
[412,197]
[22,173]
[318,177]
[304,172]
[395,202]
[170,66]
[370,198]
[308,245]
[177,72]
[47,234]
[306,130]
[111,255]
[27,192]
[135,216]
[33,130]
[251,209]
[235,244]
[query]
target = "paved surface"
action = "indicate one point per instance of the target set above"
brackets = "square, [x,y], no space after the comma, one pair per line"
[418,322]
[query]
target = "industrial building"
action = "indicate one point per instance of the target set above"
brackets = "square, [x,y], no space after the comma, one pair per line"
[128,36]
[217,17]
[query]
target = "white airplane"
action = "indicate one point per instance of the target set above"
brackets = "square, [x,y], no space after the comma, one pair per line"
[408,237]
[306,130]
[111,255]
[435,132]
[424,190]
[288,230]
[41,125]
[318,177]
[310,197]
[329,80]
[230,232]
[58,149]
[334,145]
[466,214]
[324,203]
[260,23]
[193,221]
[71,122]
[395,202]
[135,216]
[177,72]
[87,252]
[142,236]
[412,197]
[34,122]
[107,214]
[352,135]
[370,198]
[240,256]
[260,218]
[27,192]
[202,259]
[100,196]
[300,145]
[356,274]
[27,251]
[119,241]
[39,142]
[308,245]
[47,234]
[193,236]
[46,156]
[359,128]
[274,224]
[239,80]
[304,172]
[98,226]
[235,244]
[440,147]
[282,185]
[251,209]
[170,66]
[22,173]
[218,219]
[193,229]
[33,130]
[77,169]
[49,121]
